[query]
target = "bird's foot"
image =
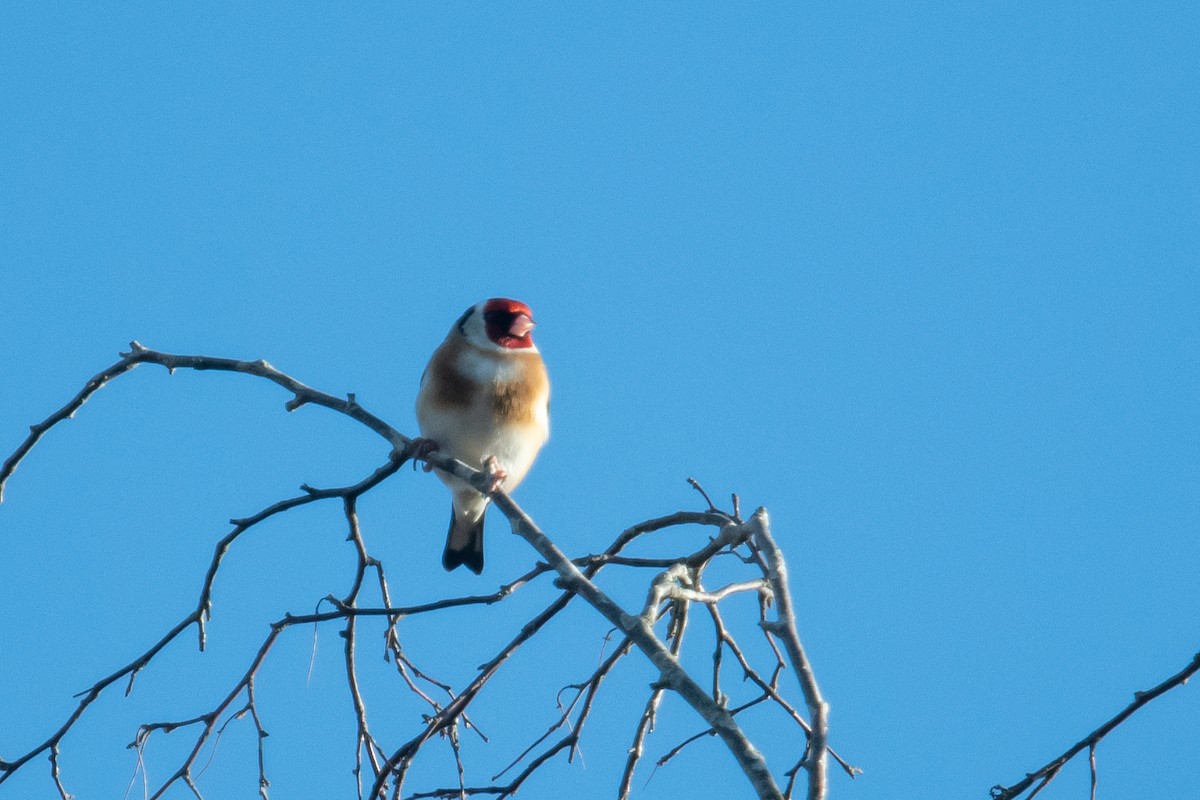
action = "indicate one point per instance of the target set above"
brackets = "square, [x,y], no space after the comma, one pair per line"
[495,476]
[419,448]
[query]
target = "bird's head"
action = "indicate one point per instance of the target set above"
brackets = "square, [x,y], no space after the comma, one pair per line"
[498,323]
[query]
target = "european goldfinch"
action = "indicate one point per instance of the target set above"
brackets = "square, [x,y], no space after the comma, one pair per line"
[484,400]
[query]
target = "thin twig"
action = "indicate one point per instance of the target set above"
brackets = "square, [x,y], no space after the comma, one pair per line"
[650,712]
[1092,768]
[1047,772]
[62,792]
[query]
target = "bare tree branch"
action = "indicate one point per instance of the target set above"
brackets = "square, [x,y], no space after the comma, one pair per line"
[677,586]
[784,627]
[679,622]
[1042,776]
[637,629]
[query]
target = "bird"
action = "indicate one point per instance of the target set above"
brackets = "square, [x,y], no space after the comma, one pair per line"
[484,399]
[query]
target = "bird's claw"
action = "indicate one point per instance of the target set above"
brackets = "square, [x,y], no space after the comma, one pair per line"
[421,447]
[494,475]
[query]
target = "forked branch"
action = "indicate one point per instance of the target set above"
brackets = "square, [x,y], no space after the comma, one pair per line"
[381,772]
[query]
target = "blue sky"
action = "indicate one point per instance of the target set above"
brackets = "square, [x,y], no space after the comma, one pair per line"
[919,278]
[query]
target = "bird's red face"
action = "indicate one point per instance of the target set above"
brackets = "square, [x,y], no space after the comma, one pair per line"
[509,323]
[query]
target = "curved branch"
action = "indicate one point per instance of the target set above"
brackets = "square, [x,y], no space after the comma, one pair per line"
[36,432]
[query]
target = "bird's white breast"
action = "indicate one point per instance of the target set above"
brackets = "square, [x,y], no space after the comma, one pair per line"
[486,368]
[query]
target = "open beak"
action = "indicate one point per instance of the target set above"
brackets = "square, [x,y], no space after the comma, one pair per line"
[521,326]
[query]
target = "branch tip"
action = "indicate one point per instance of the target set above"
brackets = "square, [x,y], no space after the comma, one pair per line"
[695,484]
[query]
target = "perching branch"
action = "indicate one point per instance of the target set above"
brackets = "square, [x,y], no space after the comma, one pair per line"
[382,771]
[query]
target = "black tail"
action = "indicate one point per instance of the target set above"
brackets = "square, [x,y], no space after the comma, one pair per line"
[464,544]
